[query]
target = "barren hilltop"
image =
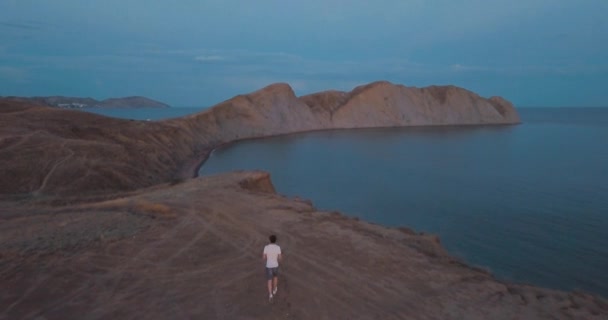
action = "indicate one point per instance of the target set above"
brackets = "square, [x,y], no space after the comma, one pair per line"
[100,220]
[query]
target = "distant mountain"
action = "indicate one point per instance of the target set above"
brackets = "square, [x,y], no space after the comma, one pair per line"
[81,103]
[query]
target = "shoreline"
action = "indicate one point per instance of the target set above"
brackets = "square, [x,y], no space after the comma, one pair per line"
[192,166]
[369,219]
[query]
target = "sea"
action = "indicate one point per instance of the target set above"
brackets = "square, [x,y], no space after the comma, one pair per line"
[145,113]
[527,202]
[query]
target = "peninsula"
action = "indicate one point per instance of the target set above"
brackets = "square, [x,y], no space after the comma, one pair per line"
[101,218]
[70,153]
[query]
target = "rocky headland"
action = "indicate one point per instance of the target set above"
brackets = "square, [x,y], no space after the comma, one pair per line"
[100,219]
[62,153]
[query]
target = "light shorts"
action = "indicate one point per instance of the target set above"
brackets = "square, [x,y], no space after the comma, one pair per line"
[272,272]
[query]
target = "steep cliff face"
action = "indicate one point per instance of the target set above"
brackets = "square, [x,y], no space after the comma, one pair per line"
[276,110]
[272,110]
[53,151]
[385,104]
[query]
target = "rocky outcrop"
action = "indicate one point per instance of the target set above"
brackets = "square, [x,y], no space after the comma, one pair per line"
[382,104]
[52,151]
[276,110]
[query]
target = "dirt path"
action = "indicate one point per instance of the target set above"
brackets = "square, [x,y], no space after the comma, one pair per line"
[203,261]
[52,171]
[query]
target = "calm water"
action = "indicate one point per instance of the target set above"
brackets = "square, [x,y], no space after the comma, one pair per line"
[528,202]
[144,113]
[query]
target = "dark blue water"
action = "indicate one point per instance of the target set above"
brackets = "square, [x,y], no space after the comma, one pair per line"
[528,202]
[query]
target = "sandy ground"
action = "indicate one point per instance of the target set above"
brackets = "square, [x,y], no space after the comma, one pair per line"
[193,251]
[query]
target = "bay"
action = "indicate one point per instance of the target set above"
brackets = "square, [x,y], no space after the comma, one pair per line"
[527,202]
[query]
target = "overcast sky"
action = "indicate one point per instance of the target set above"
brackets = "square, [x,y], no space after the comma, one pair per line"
[200,52]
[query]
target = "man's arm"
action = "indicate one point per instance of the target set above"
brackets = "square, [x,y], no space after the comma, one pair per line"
[279,257]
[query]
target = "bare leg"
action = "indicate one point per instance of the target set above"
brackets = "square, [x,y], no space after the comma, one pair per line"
[276,282]
[269,287]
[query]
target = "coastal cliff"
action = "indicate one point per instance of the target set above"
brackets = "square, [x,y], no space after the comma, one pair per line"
[276,110]
[52,151]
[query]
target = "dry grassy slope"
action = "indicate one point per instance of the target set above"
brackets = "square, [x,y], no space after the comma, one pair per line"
[193,251]
[49,151]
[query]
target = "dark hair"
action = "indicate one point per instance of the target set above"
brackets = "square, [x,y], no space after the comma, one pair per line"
[273,238]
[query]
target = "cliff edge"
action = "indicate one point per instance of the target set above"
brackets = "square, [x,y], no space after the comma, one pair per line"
[193,250]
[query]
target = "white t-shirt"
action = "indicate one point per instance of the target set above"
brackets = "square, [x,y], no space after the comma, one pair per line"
[272,252]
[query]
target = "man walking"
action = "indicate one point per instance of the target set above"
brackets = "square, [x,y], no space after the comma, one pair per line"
[272,256]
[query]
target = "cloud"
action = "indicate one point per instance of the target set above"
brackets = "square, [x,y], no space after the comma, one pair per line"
[236,56]
[466,68]
[212,58]
[19,25]
[527,70]
[27,24]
